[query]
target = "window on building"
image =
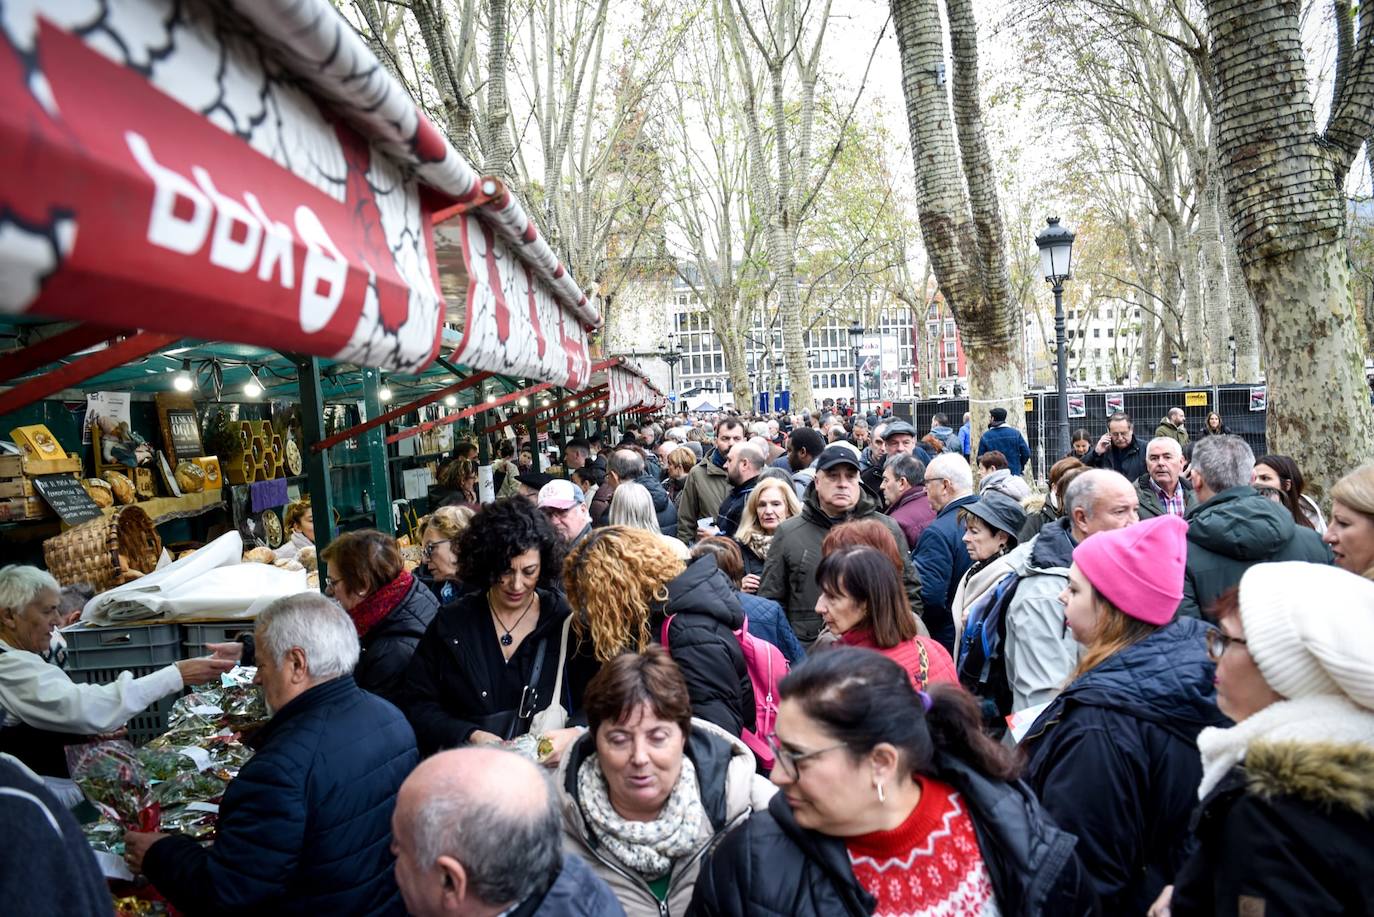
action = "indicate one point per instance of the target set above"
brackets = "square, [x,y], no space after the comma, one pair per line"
[949,328]
[717,363]
[1097,332]
[834,381]
[1111,332]
[815,381]
[949,349]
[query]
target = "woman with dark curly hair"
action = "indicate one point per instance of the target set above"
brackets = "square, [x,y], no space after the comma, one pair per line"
[500,654]
[630,589]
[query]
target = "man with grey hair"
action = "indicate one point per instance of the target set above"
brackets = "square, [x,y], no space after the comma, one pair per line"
[1038,653]
[940,556]
[1233,527]
[904,492]
[1161,488]
[627,465]
[477,832]
[305,826]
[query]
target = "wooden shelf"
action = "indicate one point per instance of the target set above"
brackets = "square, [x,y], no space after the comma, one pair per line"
[163,509]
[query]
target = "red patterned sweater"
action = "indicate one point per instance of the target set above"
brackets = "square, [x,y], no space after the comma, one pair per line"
[929,865]
[939,666]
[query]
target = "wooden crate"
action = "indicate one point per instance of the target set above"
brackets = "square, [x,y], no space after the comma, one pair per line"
[17,487]
[19,508]
[12,466]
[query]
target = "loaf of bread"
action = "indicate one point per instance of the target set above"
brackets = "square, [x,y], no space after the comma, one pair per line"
[190,477]
[99,491]
[306,557]
[259,556]
[121,485]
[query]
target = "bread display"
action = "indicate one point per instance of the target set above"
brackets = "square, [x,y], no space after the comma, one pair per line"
[259,556]
[123,487]
[190,477]
[99,491]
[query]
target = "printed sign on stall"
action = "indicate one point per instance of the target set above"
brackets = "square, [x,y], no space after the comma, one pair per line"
[1259,398]
[1078,406]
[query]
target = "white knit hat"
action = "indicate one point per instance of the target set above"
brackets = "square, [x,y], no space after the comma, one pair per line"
[1310,629]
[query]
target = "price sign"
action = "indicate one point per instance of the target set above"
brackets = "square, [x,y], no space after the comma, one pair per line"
[67,497]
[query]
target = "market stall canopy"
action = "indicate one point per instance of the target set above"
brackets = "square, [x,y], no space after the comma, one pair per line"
[630,391]
[248,171]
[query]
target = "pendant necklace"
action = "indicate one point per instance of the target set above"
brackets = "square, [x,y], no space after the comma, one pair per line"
[506,638]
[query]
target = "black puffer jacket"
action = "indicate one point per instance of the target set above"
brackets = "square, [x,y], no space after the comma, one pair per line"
[705,613]
[1114,759]
[388,646]
[770,865]
[663,504]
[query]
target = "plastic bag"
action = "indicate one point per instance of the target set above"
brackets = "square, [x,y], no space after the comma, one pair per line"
[112,777]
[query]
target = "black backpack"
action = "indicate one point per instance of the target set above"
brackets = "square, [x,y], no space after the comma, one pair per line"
[981,663]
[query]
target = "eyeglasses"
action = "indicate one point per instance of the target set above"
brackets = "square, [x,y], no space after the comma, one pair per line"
[332,582]
[428,550]
[788,760]
[1217,642]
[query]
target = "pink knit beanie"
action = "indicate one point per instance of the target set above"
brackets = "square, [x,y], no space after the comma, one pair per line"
[1139,569]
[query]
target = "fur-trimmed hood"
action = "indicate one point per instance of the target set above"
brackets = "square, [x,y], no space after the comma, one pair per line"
[1328,774]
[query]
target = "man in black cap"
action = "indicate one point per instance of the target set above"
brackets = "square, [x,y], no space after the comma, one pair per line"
[835,497]
[899,438]
[531,482]
[1006,440]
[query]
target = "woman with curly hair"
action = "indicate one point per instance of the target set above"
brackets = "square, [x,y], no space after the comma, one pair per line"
[631,590]
[491,659]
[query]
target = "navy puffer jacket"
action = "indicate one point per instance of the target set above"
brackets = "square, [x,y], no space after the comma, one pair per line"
[1114,760]
[305,828]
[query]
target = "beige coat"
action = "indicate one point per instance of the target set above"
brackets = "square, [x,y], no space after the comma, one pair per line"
[730,789]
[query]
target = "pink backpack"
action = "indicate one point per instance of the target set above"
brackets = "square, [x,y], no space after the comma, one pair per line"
[766,666]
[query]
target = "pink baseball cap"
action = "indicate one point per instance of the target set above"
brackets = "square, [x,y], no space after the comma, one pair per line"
[1139,569]
[560,494]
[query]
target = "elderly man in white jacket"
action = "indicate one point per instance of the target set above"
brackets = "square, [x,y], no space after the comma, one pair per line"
[41,709]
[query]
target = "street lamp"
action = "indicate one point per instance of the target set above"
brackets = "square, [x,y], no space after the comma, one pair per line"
[856,334]
[1231,344]
[1152,372]
[1174,360]
[672,356]
[1056,254]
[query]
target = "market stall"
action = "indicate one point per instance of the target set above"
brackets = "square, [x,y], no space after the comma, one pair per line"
[240,267]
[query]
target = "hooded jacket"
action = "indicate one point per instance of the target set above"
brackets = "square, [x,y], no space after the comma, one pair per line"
[771,866]
[706,613]
[730,790]
[1114,760]
[1232,532]
[707,487]
[1003,481]
[789,574]
[1039,652]
[663,504]
[1286,831]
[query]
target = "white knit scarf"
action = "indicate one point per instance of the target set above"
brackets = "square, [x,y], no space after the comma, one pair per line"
[647,847]
[1321,718]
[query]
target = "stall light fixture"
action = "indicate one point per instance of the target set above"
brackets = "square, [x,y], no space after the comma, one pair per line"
[252,388]
[491,399]
[183,382]
[524,402]
[544,402]
[384,393]
[450,400]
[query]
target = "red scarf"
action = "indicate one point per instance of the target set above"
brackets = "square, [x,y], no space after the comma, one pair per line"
[372,610]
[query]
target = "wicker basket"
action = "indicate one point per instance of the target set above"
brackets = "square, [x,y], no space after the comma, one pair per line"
[105,552]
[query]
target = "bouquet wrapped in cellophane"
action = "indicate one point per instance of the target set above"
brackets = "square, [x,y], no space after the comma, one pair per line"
[173,783]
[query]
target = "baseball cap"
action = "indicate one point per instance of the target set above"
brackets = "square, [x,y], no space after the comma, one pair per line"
[559,494]
[837,454]
[534,480]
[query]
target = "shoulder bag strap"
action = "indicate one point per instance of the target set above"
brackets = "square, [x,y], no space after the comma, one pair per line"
[529,697]
[925,663]
[562,660]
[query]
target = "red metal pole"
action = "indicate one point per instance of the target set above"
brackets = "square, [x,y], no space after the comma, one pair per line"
[63,344]
[380,419]
[467,412]
[120,352]
[521,418]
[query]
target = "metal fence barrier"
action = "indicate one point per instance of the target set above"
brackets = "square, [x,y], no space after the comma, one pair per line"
[1146,406]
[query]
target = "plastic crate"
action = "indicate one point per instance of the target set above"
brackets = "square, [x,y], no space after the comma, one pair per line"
[195,636]
[148,646]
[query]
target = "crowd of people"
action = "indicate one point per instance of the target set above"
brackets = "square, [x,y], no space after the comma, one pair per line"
[823,664]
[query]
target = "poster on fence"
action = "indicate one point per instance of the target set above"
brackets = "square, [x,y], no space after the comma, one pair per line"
[1116,401]
[1078,406]
[1259,398]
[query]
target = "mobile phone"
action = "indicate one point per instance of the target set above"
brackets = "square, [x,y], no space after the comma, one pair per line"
[706,522]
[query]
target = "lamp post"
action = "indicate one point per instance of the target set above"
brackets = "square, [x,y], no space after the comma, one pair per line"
[1231,344]
[1152,372]
[1174,360]
[1056,254]
[672,357]
[856,334]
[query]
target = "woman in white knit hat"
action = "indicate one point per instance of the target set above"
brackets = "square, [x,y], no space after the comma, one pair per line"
[1288,792]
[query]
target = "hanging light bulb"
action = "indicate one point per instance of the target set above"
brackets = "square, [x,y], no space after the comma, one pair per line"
[384,393]
[524,402]
[491,399]
[252,388]
[183,382]
[450,400]
[544,402]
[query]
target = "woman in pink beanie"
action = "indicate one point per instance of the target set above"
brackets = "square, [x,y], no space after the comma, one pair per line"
[1114,757]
